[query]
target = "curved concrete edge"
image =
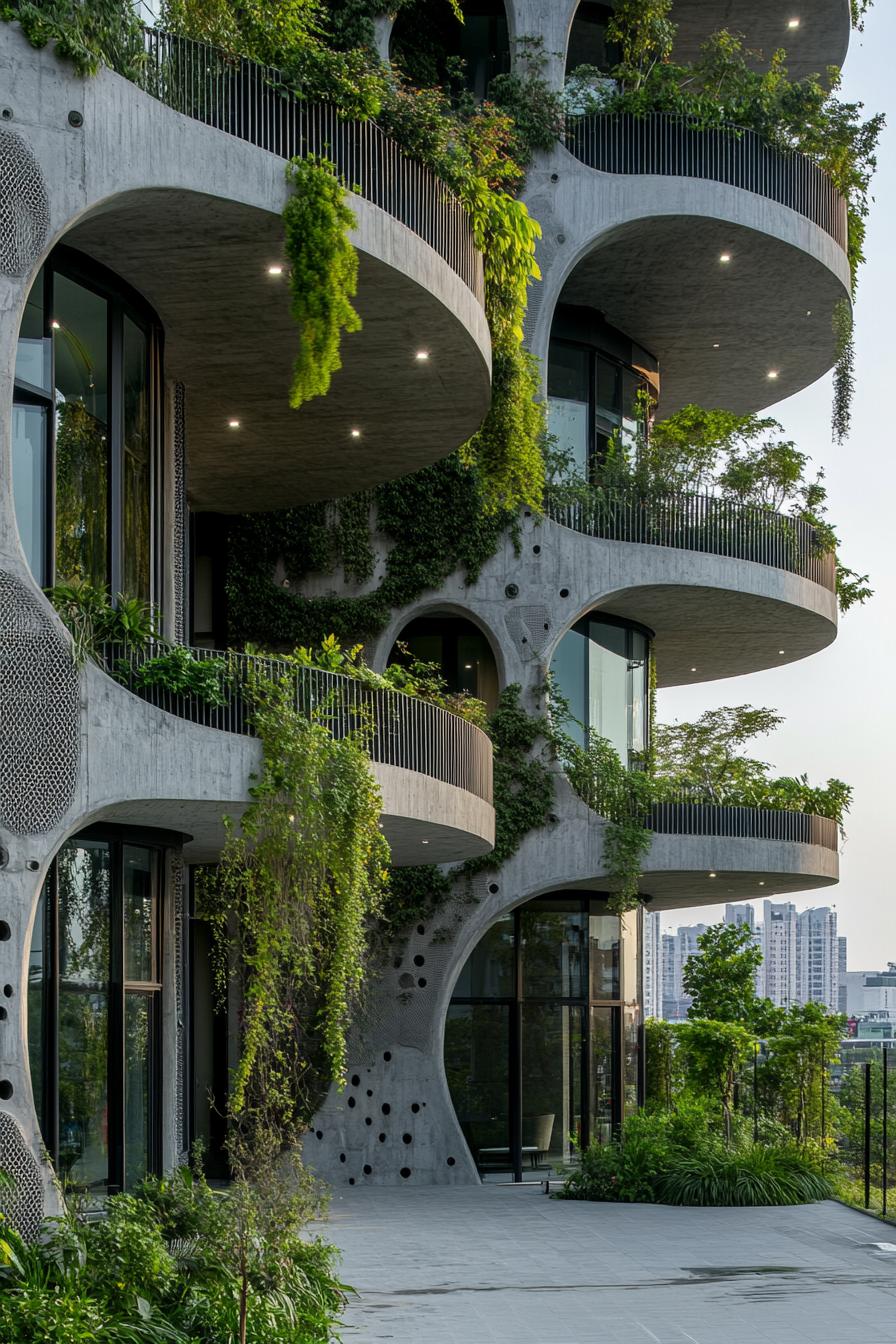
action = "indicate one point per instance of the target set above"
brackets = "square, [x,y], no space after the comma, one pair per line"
[426,820]
[721,616]
[582,211]
[396,1067]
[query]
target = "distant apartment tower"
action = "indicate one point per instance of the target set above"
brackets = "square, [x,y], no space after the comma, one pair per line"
[678,948]
[841,973]
[746,914]
[818,958]
[653,965]
[779,953]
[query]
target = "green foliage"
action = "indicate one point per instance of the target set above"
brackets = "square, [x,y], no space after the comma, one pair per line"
[711,1055]
[659,1061]
[535,109]
[179,672]
[857,11]
[164,1267]
[721,980]
[92,620]
[323,277]
[844,375]
[288,905]
[794,1076]
[507,450]
[751,1177]
[103,32]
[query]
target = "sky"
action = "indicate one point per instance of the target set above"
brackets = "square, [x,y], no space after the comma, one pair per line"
[840,705]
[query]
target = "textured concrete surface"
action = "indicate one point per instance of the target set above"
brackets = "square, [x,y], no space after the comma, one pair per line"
[508,1264]
[822,39]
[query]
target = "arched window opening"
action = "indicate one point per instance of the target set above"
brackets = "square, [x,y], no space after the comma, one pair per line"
[460,651]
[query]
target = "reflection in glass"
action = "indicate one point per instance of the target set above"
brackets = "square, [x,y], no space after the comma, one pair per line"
[80,349]
[551,1054]
[588,43]
[37,1025]
[137,1086]
[600,670]
[553,950]
[488,972]
[84,893]
[604,956]
[568,405]
[458,649]
[29,430]
[476,1064]
[136,466]
[138,894]
[33,350]
[603,1072]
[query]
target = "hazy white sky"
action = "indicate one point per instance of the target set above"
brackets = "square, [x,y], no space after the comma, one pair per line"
[840,705]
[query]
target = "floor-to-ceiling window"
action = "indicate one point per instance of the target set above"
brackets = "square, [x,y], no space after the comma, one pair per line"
[86,430]
[433,46]
[94,1009]
[457,649]
[601,671]
[542,1037]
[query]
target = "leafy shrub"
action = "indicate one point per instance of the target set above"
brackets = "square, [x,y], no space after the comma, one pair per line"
[752,1176]
[178,671]
[94,620]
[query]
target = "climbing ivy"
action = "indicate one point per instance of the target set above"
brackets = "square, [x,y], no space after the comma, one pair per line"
[288,904]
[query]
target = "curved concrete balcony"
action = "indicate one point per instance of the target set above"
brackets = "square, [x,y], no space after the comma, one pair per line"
[433,768]
[722,257]
[178,187]
[749,588]
[820,39]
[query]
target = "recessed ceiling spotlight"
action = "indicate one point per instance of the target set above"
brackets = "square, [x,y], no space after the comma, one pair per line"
[424,842]
[693,669]
[422,356]
[793,23]
[275,270]
[808,312]
[780,651]
[55,325]
[355,433]
[762,884]
[234,424]
[712,874]
[715,345]
[725,258]
[772,373]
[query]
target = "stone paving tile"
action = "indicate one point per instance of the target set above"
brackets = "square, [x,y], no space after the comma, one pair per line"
[501,1265]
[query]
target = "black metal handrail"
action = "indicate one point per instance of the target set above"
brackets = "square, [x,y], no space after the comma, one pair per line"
[399,729]
[704,523]
[676,146]
[253,103]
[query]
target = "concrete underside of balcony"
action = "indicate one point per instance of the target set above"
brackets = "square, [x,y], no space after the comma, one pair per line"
[821,40]
[146,767]
[645,251]
[191,218]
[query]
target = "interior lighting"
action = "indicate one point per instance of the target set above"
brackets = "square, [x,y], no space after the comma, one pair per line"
[715,345]
[793,23]
[772,373]
[356,433]
[762,884]
[468,667]
[424,842]
[693,669]
[725,258]
[234,424]
[422,356]
[780,651]
[712,874]
[55,325]
[275,270]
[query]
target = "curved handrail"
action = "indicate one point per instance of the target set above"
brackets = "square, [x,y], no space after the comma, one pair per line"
[676,146]
[704,523]
[401,730]
[252,102]
[751,823]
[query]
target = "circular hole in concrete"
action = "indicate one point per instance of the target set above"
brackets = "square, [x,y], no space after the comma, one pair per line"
[319,1133]
[342,1157]
[421,928]
[536,550]
[5,931]
[381,1137]
[387,1055]
[356,1081]
[3,1014]
[368,1169]
[564,592]
[451,1161]
[416,1107]
[422,982]
[8,991]
[5,1089]
[407,1138]
[351,1103]
[367,1120]
[493,888]
[386,1108]
[370,1091]
[405,1173]
[419,961]
[351,1180]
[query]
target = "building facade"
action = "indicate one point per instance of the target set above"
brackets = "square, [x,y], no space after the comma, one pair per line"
[145,401]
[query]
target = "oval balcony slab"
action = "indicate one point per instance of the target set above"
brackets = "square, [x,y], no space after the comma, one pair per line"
[726,590]
[179,187]
[813,33]
[173,760]
[722,257]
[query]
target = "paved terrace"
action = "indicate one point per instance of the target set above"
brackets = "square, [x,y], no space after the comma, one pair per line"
[472,1266]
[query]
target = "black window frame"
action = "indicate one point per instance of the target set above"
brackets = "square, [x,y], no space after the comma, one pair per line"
[597,439]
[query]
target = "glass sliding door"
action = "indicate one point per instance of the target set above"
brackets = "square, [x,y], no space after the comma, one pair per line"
[95,1012]
[477,1040]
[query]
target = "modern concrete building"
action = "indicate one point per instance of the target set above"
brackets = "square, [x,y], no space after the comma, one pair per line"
[144,399]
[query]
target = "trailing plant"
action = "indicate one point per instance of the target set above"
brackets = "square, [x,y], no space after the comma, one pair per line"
[844,376]
[297,881]
[177,670]
[536,110]
[93,620]
[103,32]
[323,276]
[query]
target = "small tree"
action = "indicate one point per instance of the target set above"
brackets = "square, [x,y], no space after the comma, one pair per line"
[796,1073]
[712,1054]
[721,980]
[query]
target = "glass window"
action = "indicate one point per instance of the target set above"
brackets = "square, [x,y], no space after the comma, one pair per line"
[608,709]
[29,486]
[604,955]
[138,892]
[551,1039]
[136,466]
[553,950]
[37,1029]
[33,352]
[639,672]
[477,1047]
[588,39]
[603,1073]
[569,667]
[460,651]
[489,970]
[138,1055]
[80,351]
[569,397]
[601,670]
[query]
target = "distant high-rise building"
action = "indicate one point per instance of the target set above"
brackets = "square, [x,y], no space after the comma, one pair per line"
[818,958]
[842,972]
[678,948]
[653,965]
[746,914]
[779,960]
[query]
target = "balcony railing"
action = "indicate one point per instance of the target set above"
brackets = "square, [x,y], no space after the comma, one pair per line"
[706,524]
[673,146]
[401,730]
[252,102]
[746,823]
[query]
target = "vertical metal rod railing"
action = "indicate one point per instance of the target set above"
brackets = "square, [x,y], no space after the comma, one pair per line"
[867,1135]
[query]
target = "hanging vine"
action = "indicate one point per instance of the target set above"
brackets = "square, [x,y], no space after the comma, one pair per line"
[288,905]
[844,370]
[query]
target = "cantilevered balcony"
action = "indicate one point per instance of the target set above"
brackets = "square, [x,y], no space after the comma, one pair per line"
[814,34]
[433,768]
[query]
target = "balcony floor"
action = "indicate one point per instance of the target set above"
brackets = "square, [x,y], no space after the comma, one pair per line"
[495,1263]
